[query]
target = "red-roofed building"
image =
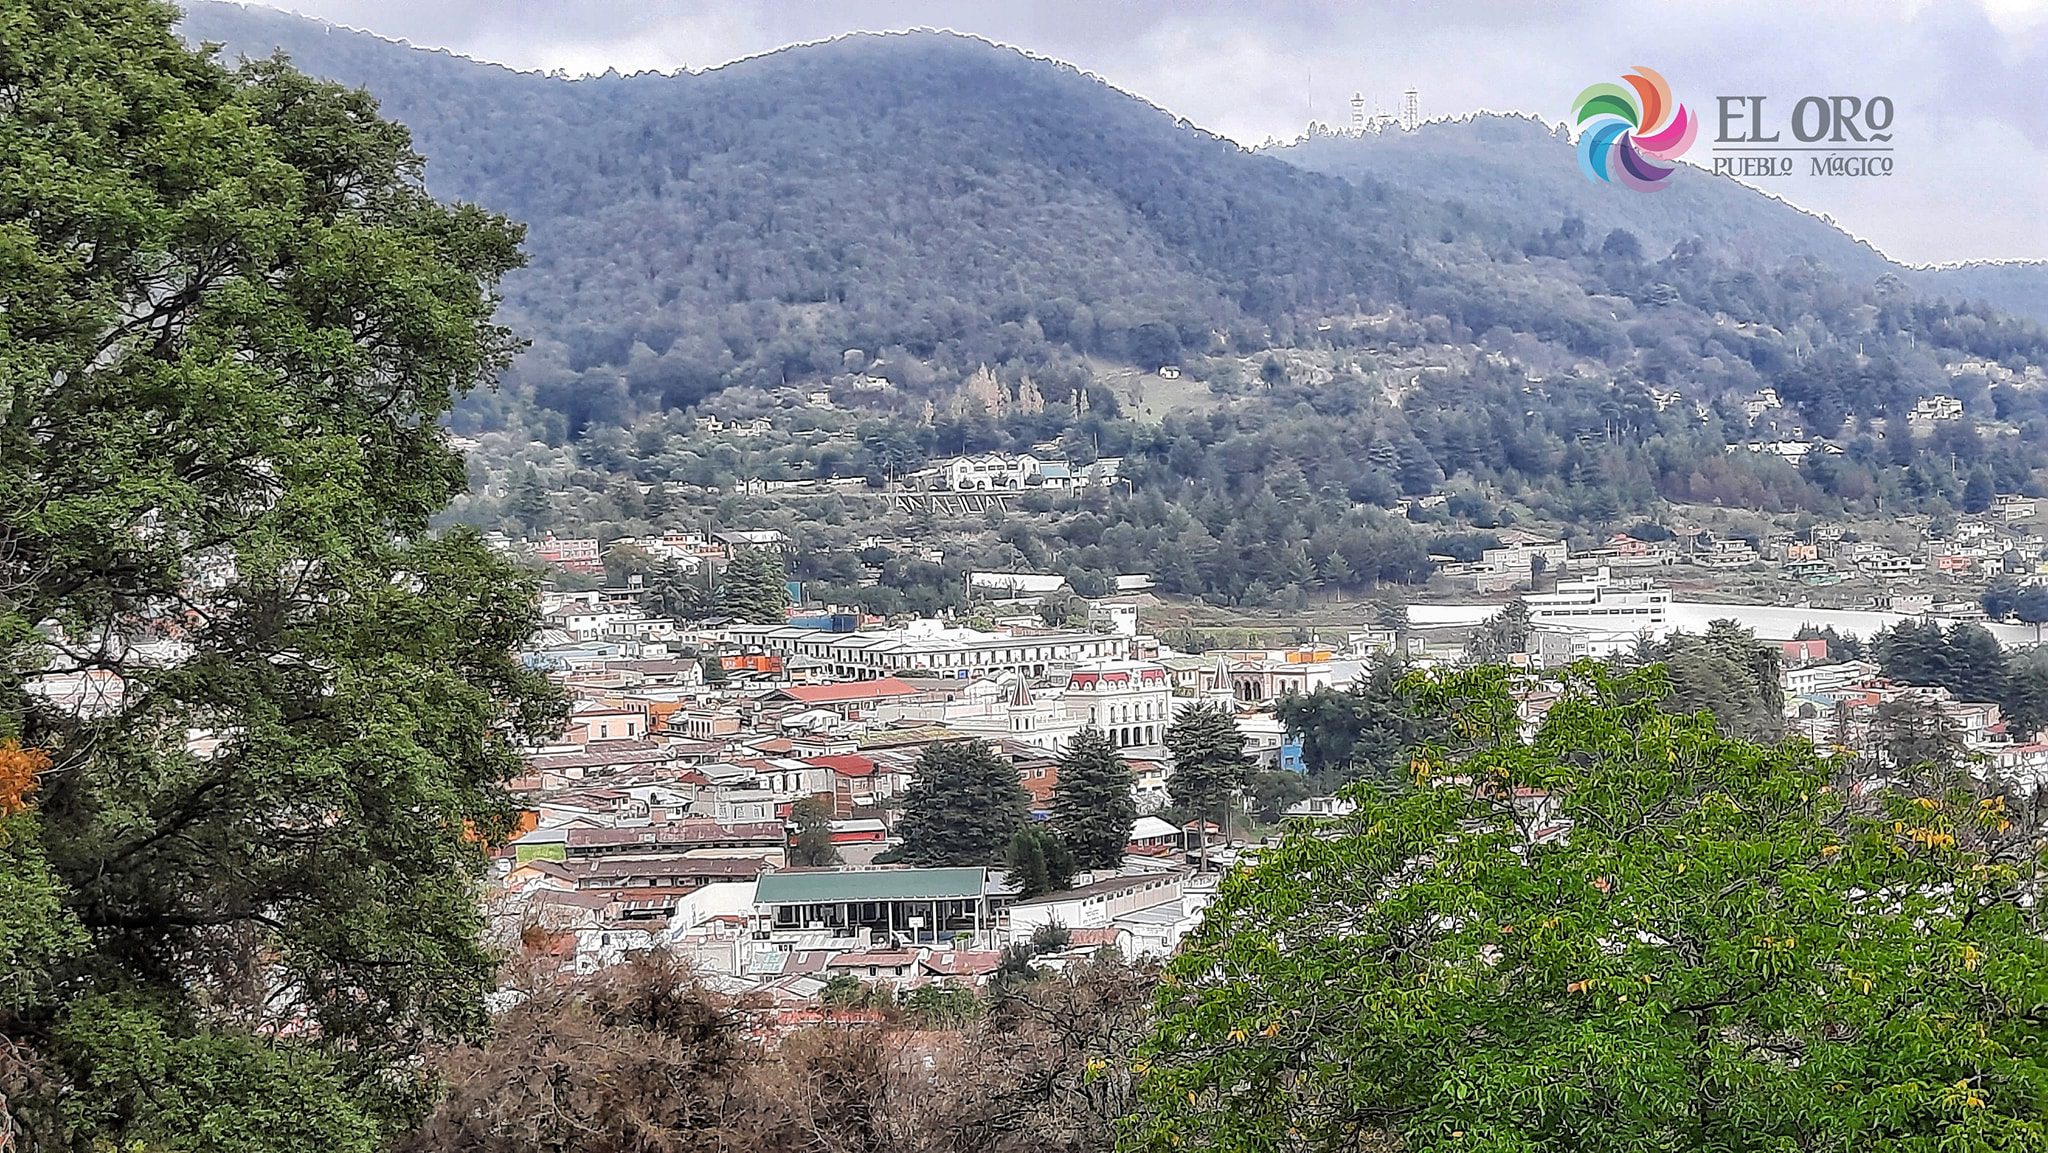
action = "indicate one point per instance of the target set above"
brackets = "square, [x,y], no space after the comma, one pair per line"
[962,965]
[1806,652]
[859,782]
[850,699]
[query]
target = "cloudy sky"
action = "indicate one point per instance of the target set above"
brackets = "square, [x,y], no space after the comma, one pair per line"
[1965,76]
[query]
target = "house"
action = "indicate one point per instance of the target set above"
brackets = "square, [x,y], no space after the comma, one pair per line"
[1088,906]
[1131,701]
[1150,833]
[576,554]
[961,966]
[859,831]
[1061,475]
[875,904]
[699,836]
[990,472]
[1813,651]
[1880,563]
[611,724]
[2011,506]
[1519,559]
[848,699]
[889,966]
[1727,553]
[1933,409]
[1321,807]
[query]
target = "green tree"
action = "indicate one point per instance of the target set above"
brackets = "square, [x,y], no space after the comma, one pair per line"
[1725,671]
[810,843]
[674,592]
[1503,635]
[232,320]
[1210,767]
[1039,861]
[1965,659]
[941,1006]
[659,504]
[1910,734]
[1696,963]
[964,805]
[754,587]
[1365,730]
[529,503]
[1979,491]
[1094,806]
[623,562]
[1273,790]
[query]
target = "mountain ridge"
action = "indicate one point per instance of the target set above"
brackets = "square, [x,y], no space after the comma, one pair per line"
[933,202]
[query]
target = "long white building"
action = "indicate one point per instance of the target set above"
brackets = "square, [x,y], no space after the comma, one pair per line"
[1615,611]
[930,648]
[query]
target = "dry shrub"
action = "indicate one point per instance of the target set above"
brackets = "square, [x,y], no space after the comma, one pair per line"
[644,1059]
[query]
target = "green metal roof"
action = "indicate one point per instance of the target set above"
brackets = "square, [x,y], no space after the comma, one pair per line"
[827,886]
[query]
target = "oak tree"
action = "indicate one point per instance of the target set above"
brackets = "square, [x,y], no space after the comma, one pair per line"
[278,712]
[1629,932]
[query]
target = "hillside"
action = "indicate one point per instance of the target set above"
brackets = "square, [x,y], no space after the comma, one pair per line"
[912,206]
[1521,170]
[751,223]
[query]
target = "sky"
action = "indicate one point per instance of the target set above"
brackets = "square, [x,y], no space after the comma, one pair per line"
[1970,166]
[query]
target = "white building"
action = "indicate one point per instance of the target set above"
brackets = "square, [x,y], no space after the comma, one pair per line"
[931,648]
[990,472]
[1132,701]
[1815,679]
[1614,610]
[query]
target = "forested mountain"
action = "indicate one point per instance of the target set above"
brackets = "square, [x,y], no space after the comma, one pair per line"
[1521,170]
[926,193]
[937,203]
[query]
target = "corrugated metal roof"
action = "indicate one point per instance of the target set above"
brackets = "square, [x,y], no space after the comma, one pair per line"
[826,886]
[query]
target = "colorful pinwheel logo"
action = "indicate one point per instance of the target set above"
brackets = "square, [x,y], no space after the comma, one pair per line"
[1627,133]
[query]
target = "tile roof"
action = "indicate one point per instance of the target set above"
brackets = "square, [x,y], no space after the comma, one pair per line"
[881,688]
[884,959]
[685,832]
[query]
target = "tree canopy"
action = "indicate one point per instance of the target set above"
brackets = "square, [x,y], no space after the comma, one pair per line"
[1093,807]
[964,806]
[1210,767]
[1633,932]
[754,587]
[1367,729]
[1725,671]
[230,317]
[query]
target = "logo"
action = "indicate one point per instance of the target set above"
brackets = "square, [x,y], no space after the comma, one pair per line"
[1628,135]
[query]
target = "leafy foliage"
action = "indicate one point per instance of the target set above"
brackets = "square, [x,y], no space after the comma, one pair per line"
[1502,635]
[1210,767]
[811,845]
[1721,954]
[1094,806]
[964,806]
[1367,730]
[642,1059]
[1039,861]
[754,587]
[1725,671]
[232,318]
[1966,660]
